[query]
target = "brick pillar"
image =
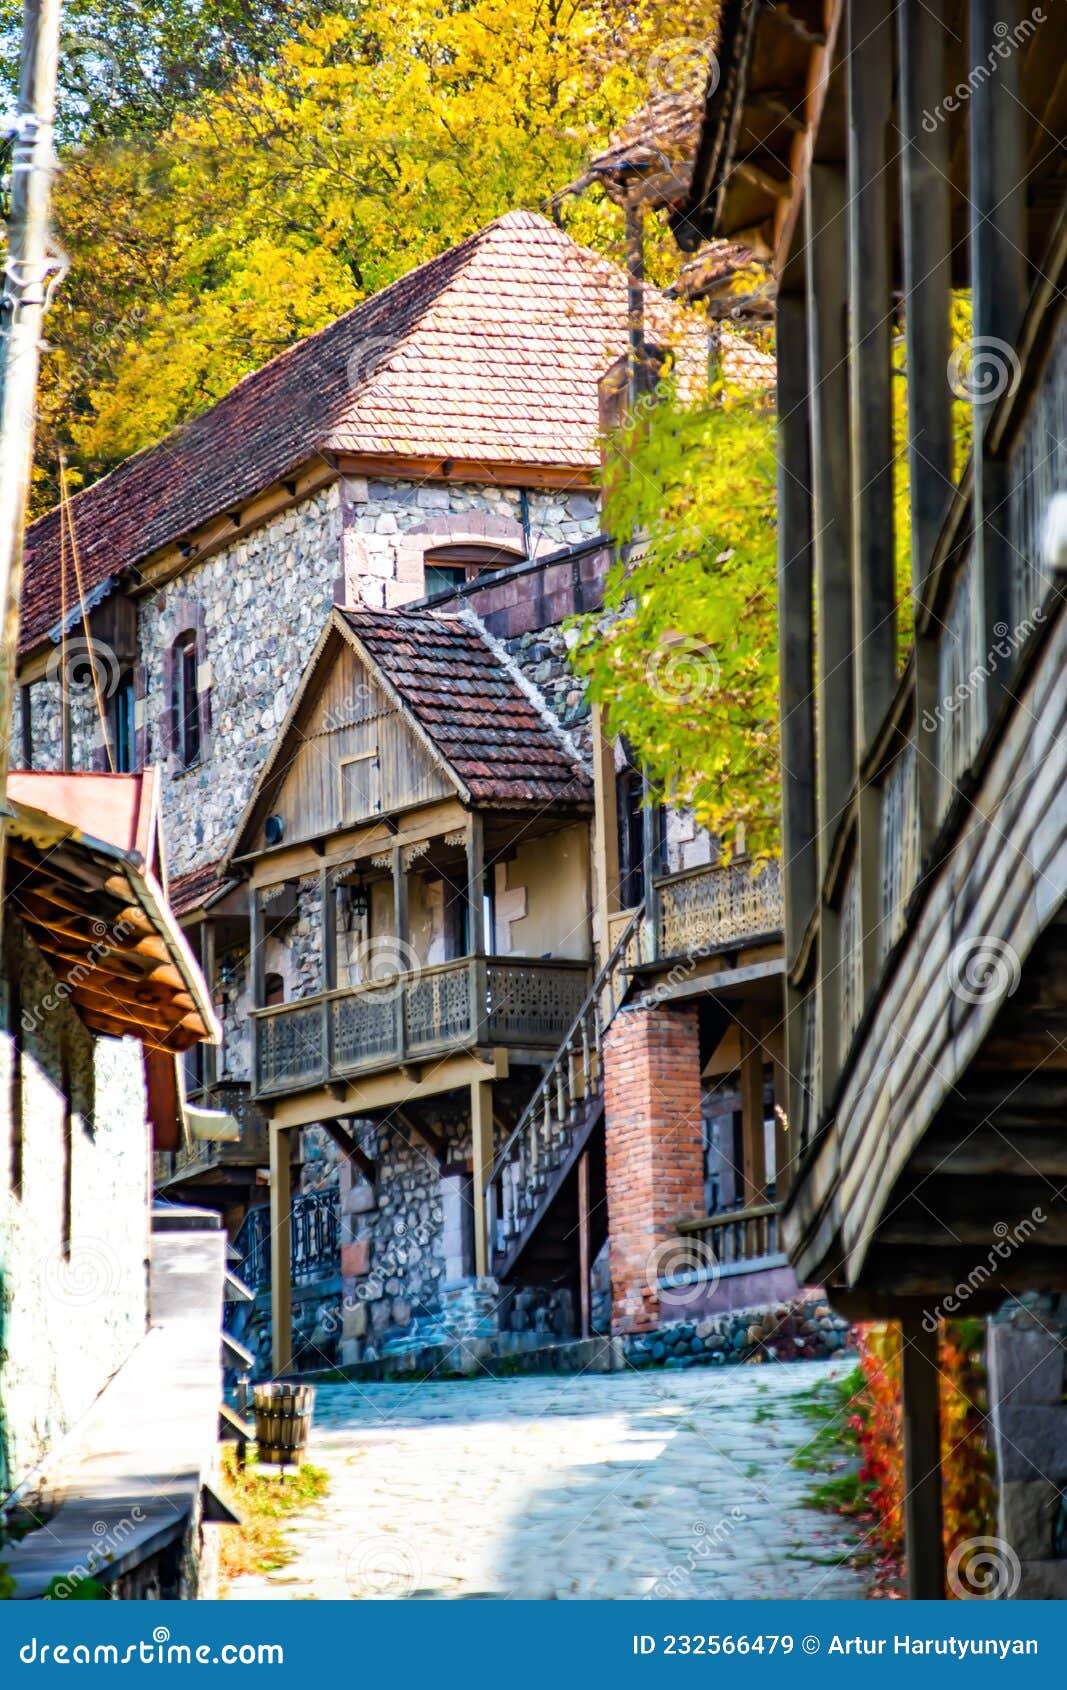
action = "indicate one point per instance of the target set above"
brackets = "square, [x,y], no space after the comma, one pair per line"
[655,1155]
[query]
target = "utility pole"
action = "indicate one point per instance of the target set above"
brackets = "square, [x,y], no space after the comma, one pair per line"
[22,303]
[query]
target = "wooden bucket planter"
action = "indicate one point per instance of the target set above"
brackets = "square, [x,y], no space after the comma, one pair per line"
[283,1421]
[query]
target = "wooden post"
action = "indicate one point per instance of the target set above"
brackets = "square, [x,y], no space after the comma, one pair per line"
[796,640]
[475,885]
[782,1155]
[328,918]
[870,76]
[652,844]
[920,1393]
[584,1264]
[869,64]
[927,239]
[256,945]
[281,1293]
[482,1163]
[605,831]
[400,899]
[997,195]
[827,271]
[754,1148]
[207,964]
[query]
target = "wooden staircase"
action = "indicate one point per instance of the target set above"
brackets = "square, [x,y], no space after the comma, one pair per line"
[535,1169]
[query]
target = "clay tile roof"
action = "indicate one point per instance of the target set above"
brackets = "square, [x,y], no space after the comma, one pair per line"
[470,702]
[490,354]
[190,891]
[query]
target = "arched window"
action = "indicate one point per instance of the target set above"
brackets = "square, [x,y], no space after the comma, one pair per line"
[186,701]
[273,990]
[448,567]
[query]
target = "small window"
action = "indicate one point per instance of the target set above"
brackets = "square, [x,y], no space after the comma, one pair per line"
[123,728]
[186,701]
[449,567]
[273,990]
[361,793]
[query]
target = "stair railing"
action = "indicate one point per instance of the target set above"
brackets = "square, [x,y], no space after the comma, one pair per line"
[545,1131]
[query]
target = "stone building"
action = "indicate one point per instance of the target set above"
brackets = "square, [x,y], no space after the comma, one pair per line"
[439,446]
[99,993]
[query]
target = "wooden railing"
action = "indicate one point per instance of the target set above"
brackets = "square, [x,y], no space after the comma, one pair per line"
[252,1149]
[550,1129]
[716,904]
[732,1242]
[473,1000]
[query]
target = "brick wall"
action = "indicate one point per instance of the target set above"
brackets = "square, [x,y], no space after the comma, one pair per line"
[655,1158]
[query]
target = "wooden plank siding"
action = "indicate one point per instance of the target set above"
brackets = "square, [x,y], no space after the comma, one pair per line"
[1003,882]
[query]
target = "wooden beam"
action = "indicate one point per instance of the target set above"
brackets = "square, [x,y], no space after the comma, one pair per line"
[281,1269]
[349,1148]
[605,828]
[384,1091]
[416,1129]
[481,1096]
[920,1392]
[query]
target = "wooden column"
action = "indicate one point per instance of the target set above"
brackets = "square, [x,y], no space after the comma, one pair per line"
[997,127]
[870,306]
[584,1263]
[475,885]
[782,1146]
[256,959]
[328,920]
[754,1171]
[927,240]
[207,966]
[826,252]
[400,899]
[605,830]
[796,638]
[281,1293]
[870,309]
[922,1460]
[652,848]
[482,1163]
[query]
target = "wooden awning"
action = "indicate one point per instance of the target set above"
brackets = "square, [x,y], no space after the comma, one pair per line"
[96,909]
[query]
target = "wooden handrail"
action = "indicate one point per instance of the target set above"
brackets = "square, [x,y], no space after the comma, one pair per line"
[706,1222]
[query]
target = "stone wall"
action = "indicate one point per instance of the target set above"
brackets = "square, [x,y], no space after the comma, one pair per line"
[1026,1349]
[801,1329]
[73,1296]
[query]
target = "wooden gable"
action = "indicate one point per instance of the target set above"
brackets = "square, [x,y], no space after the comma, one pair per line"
[349,754]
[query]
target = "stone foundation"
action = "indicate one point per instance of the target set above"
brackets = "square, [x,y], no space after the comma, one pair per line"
[1025,1355]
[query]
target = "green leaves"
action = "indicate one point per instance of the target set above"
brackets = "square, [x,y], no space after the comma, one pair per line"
[684,661]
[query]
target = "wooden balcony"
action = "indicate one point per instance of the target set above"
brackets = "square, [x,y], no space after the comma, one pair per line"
[739,1241]
[204,1157]
[716,905]
[525,1003]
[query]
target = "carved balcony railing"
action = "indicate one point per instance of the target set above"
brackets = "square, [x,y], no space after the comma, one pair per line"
[718,904]
[474,1000]
[314,1240]
[739,1241]
[252,1149]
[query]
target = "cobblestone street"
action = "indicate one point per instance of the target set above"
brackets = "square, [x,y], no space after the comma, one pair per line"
[666,1484]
